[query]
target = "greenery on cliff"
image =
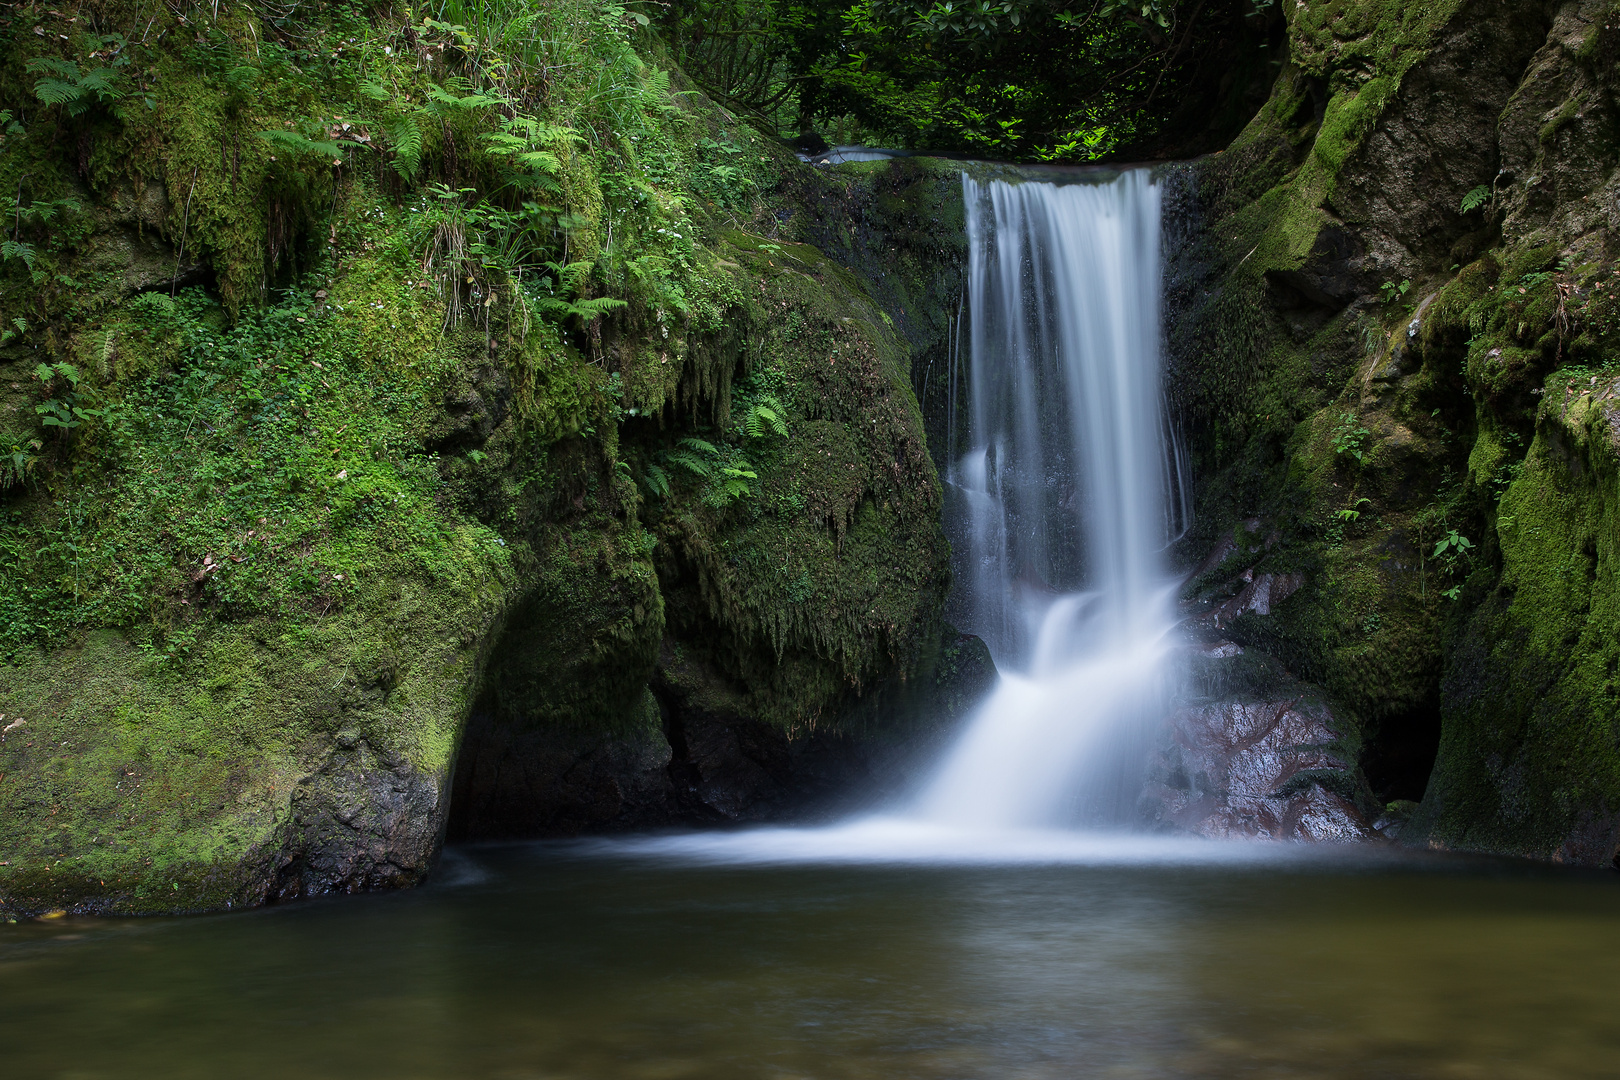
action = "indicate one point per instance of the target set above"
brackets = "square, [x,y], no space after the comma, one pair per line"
[343,343]
[1409,242]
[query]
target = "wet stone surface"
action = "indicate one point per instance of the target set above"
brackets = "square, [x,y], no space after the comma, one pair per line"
[1251,769]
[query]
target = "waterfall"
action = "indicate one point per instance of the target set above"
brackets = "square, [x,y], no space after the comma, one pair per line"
[1069,489]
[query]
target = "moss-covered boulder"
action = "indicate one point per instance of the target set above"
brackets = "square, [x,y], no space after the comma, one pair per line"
[1528,758]
[370,397]
[1377,294]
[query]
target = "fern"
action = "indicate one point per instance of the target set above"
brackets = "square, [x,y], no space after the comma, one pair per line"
[596,307]
[1475,199]
[294,143]
[584,309]
[406,138]
[543,160]
[18,462]
[692,463]
[242,78]
[548,134]
[766,413]
[14,249]
[63,83]
[44,212]
[729,476]
[8,336]
[517,148]
[448,97]
[657,481]
[569,277]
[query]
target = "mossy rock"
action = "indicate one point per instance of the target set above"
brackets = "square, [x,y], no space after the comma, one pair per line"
[340,485]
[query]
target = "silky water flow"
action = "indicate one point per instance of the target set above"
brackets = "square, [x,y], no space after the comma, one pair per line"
[1065,487]
[1067,492]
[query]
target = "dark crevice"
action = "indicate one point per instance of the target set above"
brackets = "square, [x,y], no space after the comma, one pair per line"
[1399,753]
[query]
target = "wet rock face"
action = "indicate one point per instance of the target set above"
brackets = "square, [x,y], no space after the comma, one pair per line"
[1251,770]
[513,782]
[366,820]
[726,765]
[1256,595]
[1383,289]
[698,756]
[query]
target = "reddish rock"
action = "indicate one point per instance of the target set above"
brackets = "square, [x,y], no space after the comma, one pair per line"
[1251,770]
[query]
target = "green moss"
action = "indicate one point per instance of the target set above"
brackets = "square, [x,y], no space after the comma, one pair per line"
[831,575]
[1357,520]
[357,426]
[138,783]
[1528,763]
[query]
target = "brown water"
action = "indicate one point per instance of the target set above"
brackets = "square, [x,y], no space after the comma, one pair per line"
[547,961]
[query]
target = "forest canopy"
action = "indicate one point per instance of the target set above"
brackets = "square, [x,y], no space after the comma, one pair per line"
[1039,80]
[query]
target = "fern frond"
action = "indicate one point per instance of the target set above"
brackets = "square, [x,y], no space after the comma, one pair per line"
[657,481]
[548,134]
[691,442]
[292,142]
[14,249]
[690,462]
[597,306]
[465,102]
[57,92]
[573,275]
[103,82]
[62,69]
[544,160]
[406,139]
[766,413]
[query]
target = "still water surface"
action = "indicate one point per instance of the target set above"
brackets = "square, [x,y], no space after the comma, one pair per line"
[614,961]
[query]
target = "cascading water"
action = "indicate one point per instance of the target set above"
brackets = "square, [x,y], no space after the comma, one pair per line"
[1067,491]
[1061,503]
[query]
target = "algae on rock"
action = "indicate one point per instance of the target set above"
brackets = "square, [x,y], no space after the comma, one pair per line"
[370,335]
[1380,375]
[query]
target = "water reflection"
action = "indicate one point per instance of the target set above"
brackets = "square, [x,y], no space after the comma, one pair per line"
[568,961]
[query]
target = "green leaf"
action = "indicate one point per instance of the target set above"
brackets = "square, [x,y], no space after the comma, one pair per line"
[657,481]
[464,102]
[292,142]
[544,160]
[690,462]
[14,249]
[767,413]
[406,139]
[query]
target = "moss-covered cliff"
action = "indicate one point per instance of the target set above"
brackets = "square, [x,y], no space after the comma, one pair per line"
[1389,297]
[365,372]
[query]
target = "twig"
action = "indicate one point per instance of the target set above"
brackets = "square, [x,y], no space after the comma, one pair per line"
[185,223]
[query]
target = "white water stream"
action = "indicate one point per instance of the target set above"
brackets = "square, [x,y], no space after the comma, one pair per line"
[1068,490]
[1062,504]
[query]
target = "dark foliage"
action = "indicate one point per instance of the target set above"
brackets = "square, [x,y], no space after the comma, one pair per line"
[1048,80]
